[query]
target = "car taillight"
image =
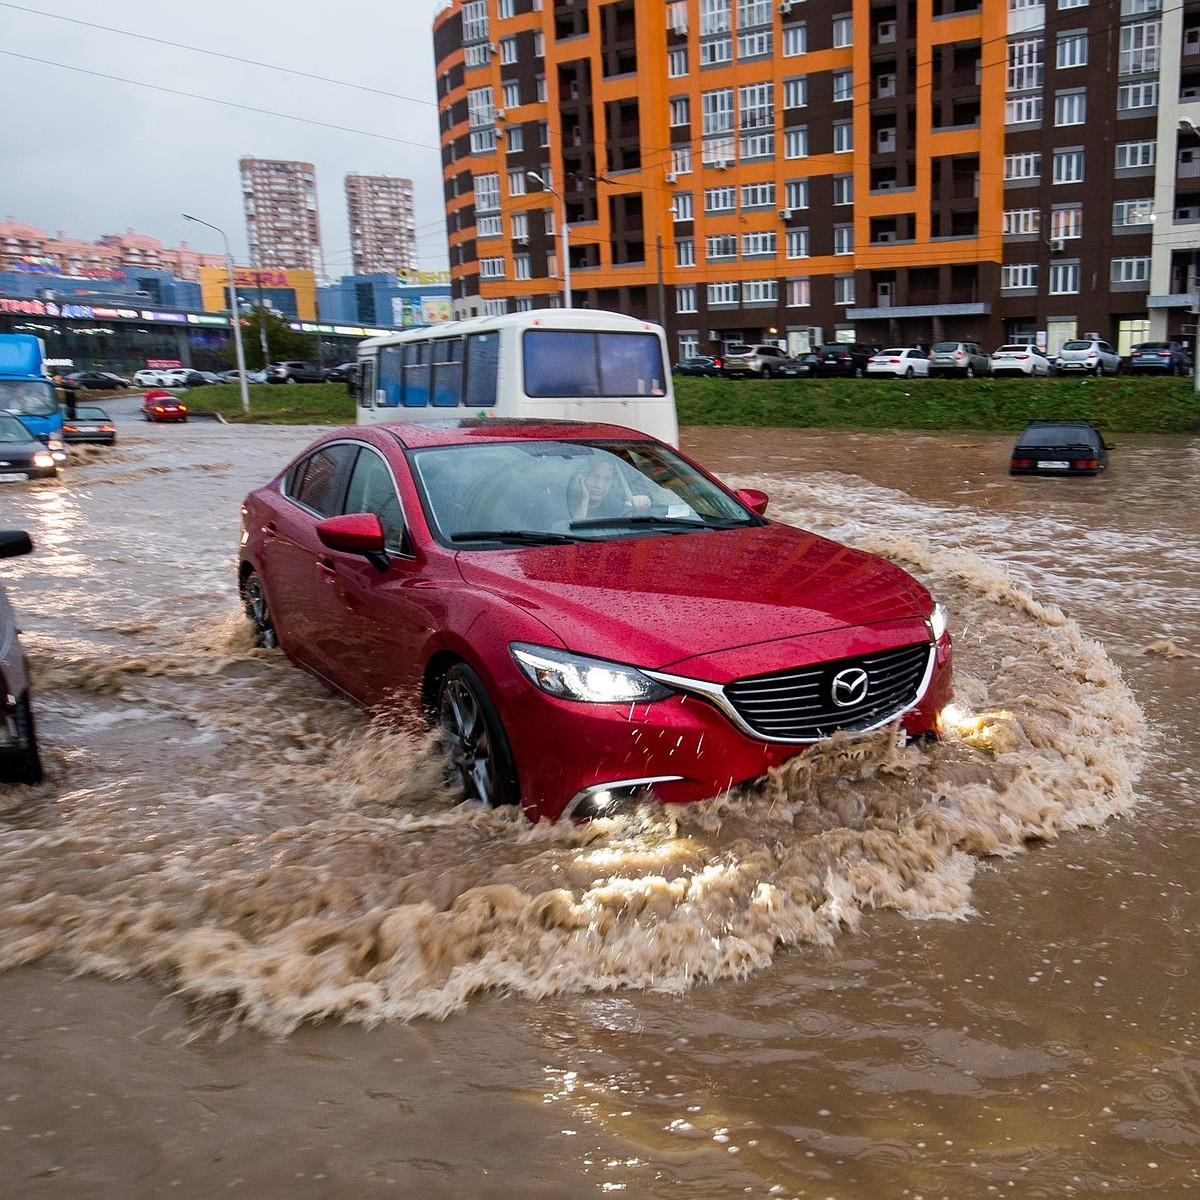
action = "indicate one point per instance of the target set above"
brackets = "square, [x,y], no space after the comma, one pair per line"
[845,357]
[1019,463]
[1020,356]
[1085,464]
[894,361]
[716,362]
[1164,354]
[958,354]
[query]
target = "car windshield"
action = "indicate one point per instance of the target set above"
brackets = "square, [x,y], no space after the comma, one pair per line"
[27,397]
[1059,435]
[567,491]
[1077,345]
[945,347]
[11,430]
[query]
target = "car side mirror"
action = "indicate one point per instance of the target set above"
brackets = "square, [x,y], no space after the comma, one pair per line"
[355,533]
[753,499]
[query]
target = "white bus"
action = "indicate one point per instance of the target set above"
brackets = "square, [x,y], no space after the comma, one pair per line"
[556,363]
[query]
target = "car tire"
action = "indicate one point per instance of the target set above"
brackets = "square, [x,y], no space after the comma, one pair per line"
[258,612]
[23,765]
[766,372]
[970,372]
[479,764]
[908,374]
[290,379]
[859,372]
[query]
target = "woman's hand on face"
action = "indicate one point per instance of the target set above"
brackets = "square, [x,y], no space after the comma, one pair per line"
[637,501]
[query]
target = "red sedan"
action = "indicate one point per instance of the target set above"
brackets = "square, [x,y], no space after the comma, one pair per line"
[159,405]
[587,616]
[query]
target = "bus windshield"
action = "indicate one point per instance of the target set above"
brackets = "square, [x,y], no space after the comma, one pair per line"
[27,397]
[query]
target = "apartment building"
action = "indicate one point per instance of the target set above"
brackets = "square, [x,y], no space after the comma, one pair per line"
[811,170]
[283,228]
[383,233]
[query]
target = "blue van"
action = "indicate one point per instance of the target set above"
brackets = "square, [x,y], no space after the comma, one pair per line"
[26,393]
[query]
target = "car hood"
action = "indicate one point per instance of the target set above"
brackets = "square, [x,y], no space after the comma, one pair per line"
[656,601]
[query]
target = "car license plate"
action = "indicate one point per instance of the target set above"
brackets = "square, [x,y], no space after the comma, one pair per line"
[12,477]
[1054,465]
[87,428]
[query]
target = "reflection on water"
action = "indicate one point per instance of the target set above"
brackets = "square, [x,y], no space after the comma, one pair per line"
[218,824]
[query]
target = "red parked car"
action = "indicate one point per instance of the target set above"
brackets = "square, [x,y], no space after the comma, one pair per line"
[159,405]
[586,615]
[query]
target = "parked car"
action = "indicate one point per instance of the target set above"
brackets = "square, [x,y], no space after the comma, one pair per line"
[1087,356]
[342,373]
[482,599]
[259,376]
[754,362]
[959,358]
[96,381]
[212,377]
[698,364]
[844,358]
[23,455]
[1020,359]
[799,366]
[159,405]
[1059,448]
[294,372]
[900,362]
[189,378]
[1168,357]
[148,377]
[90,424]
[174,377]
[20,761]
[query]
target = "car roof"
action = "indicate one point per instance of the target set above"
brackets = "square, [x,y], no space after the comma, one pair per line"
[463,431]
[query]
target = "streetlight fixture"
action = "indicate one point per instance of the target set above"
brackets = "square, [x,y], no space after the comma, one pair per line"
[566,248]
[235,316]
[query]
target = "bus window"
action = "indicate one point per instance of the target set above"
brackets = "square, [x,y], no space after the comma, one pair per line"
[416,374]
[560,363]
[630,364]
[447,372]
[389,377]
[482,355]
[366,382]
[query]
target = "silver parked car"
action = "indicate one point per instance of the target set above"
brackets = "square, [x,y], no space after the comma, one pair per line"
[1087,356]
[959,358]
[19,758]
[761,361]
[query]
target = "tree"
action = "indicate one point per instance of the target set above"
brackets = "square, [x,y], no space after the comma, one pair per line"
[283,343]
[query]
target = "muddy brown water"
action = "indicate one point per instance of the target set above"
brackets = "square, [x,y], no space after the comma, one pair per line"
[248,949]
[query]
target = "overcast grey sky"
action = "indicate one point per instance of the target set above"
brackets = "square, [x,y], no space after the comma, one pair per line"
[91,155]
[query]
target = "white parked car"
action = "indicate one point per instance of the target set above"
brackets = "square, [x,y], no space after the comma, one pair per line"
[147,377]
[175,377]
[901,361]
[1019,359]
[1088,356]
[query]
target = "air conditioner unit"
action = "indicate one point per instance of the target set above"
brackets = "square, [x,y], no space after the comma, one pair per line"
[721,164]
[885,143]
[670,177]
[493,48]
[500,114]
[785,6]
[714,335]
[785,214]
[885,185]
[1057,244]
[887,235]
[522,241]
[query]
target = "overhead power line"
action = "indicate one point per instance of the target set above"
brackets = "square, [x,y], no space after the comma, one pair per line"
[249,62]
[215,100]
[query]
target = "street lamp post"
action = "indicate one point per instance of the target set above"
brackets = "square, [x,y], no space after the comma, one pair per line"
[235,316]
[566,248]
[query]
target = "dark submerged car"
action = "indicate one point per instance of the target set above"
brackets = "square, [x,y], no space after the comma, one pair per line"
[1059,448]
[89,424]
[698,364]
[23,455]
[19,758]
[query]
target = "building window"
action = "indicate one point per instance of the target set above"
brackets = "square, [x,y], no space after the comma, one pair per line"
[1025,65]
[796,243]
[843,239]
[843,189]
[677,62]
[683,206]
[1133,212]
[1015,276]
[843,85]
[495,308]
[1131,270]
[795,40]
[756,44]
[758,195]
[843,32]
[1072,4]
[523,304]
[491,268]
[516,183]
[520,227]
[795,142]
[508,51]
[1134,8]
[799,293]
[754,12]
[1136,154]
[1072,49]
[760,291]
[1064,279]
[681,160]
[521,268]
[843,137]
[506,8]
[1066,222]
[1022,110]
[1068,166]
[720,199]
[717,110]
[540,88]
[1070,108]
[1019,221]
[1137,96]
[716,16]
[719,246]
[680,110]
[795,92]
[1022,166]
[685,299]
[843,289]
[715,52]
[685,252]
[722,293]
[487,193]
[795,193]
[1141,44]
[514,139]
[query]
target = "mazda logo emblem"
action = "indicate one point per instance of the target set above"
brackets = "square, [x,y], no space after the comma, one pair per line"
[849,687]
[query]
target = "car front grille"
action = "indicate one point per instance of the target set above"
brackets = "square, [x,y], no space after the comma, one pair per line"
[799,705]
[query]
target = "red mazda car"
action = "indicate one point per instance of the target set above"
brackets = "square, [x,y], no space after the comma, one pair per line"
[586,615]
[160,405]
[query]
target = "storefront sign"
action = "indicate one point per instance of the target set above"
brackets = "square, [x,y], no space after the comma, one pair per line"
[437,277]
[163,364]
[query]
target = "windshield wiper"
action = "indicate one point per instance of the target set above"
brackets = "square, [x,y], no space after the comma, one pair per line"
[528,536]
[682,524]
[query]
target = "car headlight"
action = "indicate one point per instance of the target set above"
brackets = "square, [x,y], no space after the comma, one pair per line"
[936,622]
[43,458]
[578,677]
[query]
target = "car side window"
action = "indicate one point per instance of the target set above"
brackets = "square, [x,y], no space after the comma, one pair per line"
[317,481]
[372,490]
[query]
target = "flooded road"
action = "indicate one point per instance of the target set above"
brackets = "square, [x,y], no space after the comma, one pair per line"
[232,917]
